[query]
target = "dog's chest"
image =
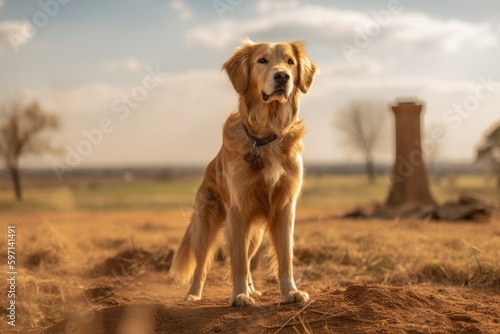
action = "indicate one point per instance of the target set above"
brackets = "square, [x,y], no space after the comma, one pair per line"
[276,164]
[272,171]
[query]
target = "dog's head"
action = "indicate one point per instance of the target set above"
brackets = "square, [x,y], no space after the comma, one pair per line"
[270,72]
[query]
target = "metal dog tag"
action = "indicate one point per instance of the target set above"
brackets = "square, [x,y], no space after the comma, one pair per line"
[254,159]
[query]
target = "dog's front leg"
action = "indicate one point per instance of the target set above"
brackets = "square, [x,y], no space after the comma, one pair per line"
[238,229]
[282,234]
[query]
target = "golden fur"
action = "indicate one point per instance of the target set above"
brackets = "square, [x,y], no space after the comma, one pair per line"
[249,200]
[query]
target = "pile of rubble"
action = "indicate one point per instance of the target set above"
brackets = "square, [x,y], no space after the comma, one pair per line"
[469,206]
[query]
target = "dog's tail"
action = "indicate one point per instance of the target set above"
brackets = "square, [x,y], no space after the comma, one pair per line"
[184,262]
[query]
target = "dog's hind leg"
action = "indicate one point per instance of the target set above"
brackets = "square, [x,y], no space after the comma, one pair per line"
[255,241]
[207,221]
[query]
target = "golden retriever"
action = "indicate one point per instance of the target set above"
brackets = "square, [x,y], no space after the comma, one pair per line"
[253,183]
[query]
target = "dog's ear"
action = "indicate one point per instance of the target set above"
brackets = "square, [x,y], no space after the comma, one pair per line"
[307,69]
[238,67]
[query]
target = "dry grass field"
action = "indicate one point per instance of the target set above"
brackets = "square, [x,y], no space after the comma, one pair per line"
[94,259]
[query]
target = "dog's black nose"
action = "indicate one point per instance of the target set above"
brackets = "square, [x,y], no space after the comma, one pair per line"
[281,77]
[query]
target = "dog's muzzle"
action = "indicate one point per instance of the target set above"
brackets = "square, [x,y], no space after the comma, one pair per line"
[280,84]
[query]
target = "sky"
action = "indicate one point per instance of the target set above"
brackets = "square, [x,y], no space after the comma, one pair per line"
[139,83]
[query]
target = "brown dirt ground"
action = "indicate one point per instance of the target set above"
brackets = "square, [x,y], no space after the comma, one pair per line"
[156,307]
[152,303]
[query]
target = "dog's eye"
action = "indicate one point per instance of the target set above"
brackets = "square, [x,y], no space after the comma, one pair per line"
[262,61]
[290,61]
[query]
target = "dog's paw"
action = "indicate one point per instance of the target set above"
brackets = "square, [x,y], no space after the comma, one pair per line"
[296,296]
[241,300]
[192,298]
[256,293]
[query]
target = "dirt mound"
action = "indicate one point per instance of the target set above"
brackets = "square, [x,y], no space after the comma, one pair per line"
[369,308]
[406,309]
[132,261]
[41,258]
[99,293]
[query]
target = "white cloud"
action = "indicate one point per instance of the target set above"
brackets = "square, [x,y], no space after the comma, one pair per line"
[89,99]
[2,2]
[361,66]
[180,121]
[125,65]
[421,30]
[266,6]
[326,85]
[331,25]
[15,33]
[183,9]
[312,21]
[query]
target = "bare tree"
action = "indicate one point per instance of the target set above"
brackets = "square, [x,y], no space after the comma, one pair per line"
[362,124]
[489,150]
[23,129]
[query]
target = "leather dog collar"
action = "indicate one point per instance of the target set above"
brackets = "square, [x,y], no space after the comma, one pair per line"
[258,142]
[253,157]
